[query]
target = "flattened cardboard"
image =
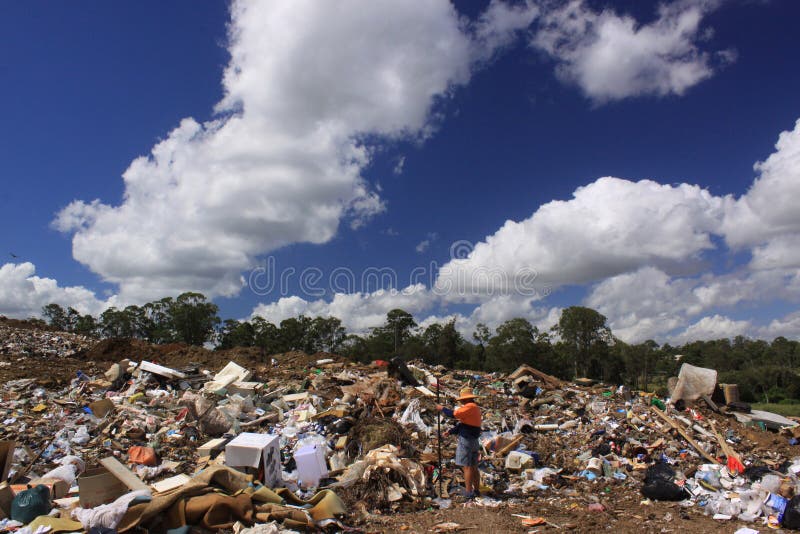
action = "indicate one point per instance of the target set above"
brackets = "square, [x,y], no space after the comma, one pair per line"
[6,496]
[296,397]
[102,407]
[170,483]
[58,488]
[98,486]
[228,375]
[6,457]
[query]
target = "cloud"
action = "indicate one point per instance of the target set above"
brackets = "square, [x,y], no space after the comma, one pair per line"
[23,294]
[308,89]
[787,326]
[362,311]
[645,304]
[399,166]
[495,311]
[650,304]
[713,327]
[425,244]
[611,56]
[766,217]
[645,247]
[498,27]
[610,226]
[358,311]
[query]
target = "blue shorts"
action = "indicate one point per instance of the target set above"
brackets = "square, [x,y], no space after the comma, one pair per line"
[467,451]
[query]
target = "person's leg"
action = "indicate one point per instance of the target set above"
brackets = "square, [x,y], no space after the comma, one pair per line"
[476,480]
[468,482]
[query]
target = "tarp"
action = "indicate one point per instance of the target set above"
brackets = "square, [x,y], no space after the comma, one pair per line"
[694,382]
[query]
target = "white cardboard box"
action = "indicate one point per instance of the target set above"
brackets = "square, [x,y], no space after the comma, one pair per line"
[251,450]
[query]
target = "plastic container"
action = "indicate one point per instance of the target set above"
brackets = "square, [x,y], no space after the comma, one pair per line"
[517,460]
[311,465]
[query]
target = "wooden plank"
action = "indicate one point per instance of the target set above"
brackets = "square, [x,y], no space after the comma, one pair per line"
[123,474]
[510,446]
[711,403]
[211,446]
[685,435]
[735,464]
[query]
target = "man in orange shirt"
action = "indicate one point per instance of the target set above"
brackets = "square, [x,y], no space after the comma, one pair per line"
[468,430]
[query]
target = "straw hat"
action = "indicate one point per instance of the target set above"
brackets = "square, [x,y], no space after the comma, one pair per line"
[466,394]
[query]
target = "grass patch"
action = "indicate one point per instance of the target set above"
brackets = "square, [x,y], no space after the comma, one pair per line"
[782,409]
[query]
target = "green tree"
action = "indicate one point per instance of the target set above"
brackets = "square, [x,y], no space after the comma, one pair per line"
[56,316]
[512,345]
[235,333]
[482,335]
[449,346]
[157,322]
[326,334]
[356,348]
[294,334]
[85,325]
[73,316]
[399,324]
[267,336]
[117,323]
[388,339]
[194,318]
[585,332]
[414,347]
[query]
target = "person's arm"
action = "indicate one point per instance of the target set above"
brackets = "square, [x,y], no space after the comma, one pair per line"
[448,412]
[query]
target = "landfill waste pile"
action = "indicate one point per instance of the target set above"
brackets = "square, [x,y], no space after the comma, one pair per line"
[42,343]
[143,438]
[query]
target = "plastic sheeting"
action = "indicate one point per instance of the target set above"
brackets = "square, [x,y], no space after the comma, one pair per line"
[694,382]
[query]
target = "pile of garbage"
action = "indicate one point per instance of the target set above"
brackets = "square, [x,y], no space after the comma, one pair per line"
[41,343]
[317,442]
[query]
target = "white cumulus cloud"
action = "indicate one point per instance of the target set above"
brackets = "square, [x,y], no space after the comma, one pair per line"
[23,294]
[495,311]
[787,326]
[644,247]
[609,227]
[611,56]
[645,304]
[307,85]
[713,327]
[358,311]
[767,217]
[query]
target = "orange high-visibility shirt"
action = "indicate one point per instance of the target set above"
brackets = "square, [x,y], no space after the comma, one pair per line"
[469,414]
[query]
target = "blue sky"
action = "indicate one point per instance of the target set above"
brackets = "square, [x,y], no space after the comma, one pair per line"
[377,137]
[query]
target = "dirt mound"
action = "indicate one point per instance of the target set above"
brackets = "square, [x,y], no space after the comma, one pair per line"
[26,324]
[116,349]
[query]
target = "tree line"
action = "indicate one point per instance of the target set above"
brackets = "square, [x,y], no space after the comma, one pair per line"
[580,345]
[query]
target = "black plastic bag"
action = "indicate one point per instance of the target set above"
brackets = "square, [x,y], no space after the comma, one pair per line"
[399,370]
[791,517]
[659,485]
